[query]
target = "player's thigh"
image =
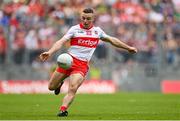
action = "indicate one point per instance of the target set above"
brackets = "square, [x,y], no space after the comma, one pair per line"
[56,78]
[75,81]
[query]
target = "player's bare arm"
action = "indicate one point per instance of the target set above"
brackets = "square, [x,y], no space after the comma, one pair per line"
[118,43]
[56,46]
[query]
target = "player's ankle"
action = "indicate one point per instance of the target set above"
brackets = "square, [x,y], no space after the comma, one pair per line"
[63,108]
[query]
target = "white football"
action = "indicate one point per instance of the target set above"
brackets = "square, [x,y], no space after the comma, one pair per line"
[64,61]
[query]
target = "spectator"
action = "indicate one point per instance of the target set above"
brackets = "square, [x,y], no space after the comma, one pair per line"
[18,47]
[3,47]
[32,45]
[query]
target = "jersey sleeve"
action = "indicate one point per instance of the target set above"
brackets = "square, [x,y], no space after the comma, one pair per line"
[102,34]
[69,34]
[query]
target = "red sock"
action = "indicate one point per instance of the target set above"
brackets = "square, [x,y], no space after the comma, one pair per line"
[63,108]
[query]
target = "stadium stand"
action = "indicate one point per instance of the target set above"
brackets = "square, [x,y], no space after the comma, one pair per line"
[28,27]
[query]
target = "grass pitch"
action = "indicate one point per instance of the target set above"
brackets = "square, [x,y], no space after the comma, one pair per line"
[125,106]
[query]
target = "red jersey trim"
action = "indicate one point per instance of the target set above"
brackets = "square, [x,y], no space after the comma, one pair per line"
[85,41]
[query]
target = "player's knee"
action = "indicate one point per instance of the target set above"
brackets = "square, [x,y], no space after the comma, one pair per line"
[73,88]
[51,86]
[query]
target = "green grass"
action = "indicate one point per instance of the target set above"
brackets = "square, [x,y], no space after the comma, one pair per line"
[130,106]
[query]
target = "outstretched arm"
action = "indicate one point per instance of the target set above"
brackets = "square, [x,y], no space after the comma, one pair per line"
[118,43]
[56,46]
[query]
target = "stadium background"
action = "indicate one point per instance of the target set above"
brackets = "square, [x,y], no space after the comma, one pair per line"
[29,27]
[139,82]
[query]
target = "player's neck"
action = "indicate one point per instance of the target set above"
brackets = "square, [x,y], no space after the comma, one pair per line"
[83,27]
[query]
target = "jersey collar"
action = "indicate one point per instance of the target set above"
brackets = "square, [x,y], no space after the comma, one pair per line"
[82,26]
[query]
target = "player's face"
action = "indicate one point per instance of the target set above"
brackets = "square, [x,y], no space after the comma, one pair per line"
[87,19]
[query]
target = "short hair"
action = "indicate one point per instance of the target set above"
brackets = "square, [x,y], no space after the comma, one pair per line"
[88,10]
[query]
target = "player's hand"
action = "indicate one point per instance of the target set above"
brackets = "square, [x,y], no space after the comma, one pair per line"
[132,50]
[44,56]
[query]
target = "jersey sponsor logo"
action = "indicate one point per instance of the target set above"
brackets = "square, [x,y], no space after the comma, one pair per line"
[85,41]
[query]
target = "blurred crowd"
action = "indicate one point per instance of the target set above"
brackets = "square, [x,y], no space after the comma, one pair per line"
[28,27]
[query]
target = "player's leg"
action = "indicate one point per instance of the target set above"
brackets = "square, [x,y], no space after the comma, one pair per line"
[56,80]
[75,81]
